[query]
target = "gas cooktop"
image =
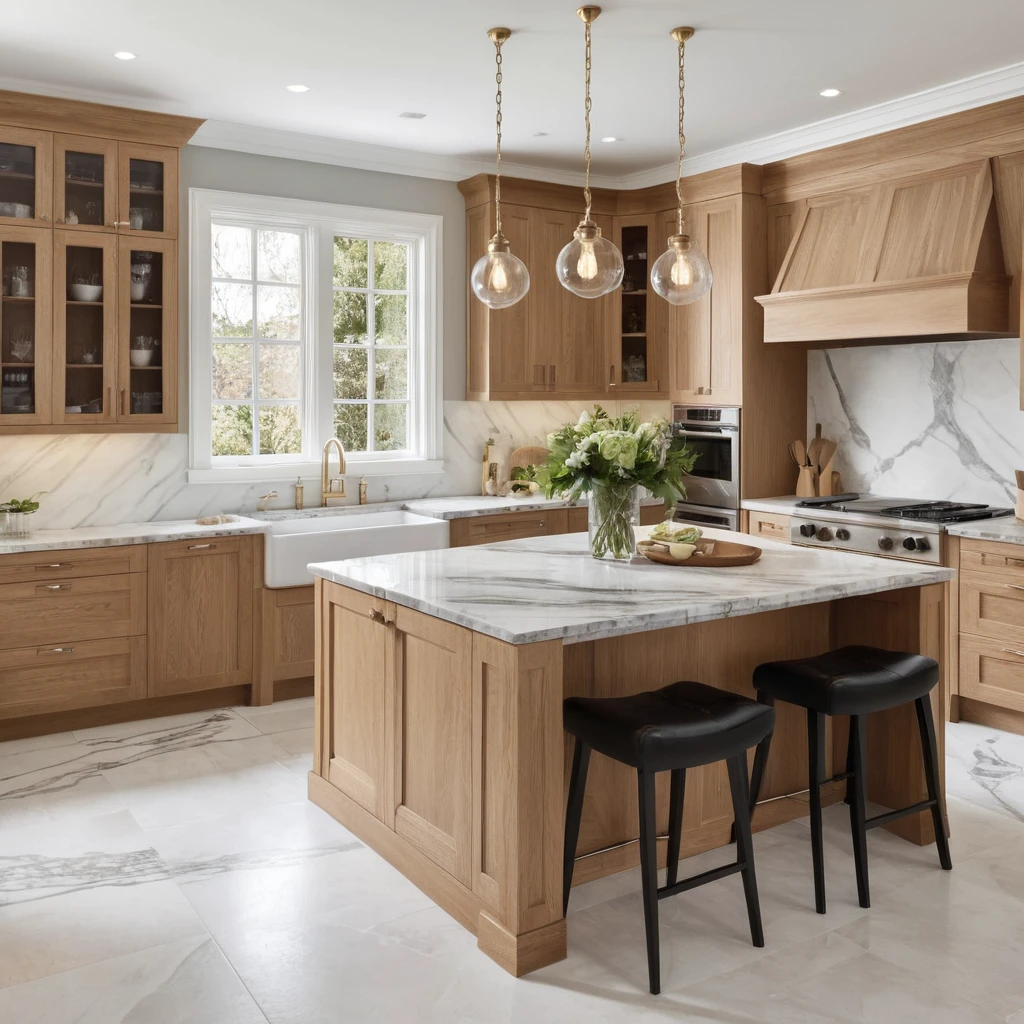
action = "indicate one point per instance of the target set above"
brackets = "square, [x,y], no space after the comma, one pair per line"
[908,509]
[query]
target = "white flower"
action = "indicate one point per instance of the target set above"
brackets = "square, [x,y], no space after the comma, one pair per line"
[577,460]
[585,418]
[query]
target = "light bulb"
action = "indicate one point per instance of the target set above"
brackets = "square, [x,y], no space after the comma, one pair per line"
[681,274]
[499,279]
[589,266]
[586,265]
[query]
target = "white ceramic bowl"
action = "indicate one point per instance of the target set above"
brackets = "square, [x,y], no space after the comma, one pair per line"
[140,356]
[86,292]
[138,291]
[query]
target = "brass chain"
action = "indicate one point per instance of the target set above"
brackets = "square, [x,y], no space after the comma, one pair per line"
[586,150]
[682,137]
[497,125]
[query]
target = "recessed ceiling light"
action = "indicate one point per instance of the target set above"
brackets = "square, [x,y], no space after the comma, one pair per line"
[611,138]
[829,93]
[297,88]
[412,115]
[125,55]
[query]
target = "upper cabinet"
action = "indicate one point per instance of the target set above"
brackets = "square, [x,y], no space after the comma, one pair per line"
[88,223]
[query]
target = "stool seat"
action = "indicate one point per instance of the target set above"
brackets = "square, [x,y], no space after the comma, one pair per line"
[679,726]
[849,681]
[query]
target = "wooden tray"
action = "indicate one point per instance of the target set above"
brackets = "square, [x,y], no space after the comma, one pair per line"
[715,554]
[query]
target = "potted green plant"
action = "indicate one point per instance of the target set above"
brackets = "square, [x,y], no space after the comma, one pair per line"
[17,515]
[611,458]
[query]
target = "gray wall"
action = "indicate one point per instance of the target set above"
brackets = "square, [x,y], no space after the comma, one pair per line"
[227,171]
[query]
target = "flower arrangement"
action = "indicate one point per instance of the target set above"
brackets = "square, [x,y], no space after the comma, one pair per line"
[609,457]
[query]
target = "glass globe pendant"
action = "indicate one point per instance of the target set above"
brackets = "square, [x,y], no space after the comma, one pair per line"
[681,274]
[590,265]
[499,278]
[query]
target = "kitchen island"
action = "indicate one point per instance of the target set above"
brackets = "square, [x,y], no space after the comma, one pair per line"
[440,677]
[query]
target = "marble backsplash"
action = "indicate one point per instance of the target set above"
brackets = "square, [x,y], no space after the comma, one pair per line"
[939,421]
[104,479]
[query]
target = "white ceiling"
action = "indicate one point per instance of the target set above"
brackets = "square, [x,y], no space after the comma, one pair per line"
[754,68]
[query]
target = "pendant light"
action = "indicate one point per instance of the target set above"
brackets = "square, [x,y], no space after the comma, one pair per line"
[681,274]
[499,279]
[589,266]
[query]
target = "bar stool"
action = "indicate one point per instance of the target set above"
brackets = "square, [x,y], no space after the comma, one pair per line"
[854,681]
[678,727]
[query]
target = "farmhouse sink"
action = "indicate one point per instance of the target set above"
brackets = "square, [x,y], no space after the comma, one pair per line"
[292,544]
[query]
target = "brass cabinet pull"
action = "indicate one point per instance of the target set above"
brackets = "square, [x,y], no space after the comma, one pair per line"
[378,616]
[56,650]
[200,547]
[53,586]
[55,565]
[1014,586]
[110,400]
[124,403]
[1010,650]
[611,376]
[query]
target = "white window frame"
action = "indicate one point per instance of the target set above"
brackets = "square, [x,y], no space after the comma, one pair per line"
[319,223]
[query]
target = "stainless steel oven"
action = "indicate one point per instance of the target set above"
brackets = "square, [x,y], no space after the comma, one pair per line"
[715,435]
[706,515]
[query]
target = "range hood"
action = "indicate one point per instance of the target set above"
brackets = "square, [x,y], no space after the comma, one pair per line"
[915,258]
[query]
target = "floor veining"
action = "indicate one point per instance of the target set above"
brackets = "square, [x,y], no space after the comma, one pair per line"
[173,870]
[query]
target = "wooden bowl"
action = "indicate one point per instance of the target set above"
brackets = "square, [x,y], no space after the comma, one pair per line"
[717,554]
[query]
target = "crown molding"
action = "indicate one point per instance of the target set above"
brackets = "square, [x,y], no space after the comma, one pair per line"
[977,90]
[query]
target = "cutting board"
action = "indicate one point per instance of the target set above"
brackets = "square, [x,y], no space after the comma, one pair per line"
[528,455]
[716,554]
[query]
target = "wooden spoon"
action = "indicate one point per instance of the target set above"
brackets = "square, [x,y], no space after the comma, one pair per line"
[801,453]
[825,452]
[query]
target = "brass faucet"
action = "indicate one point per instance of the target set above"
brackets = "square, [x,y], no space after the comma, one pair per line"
[327,489]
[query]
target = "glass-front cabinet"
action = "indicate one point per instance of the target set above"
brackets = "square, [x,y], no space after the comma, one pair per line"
[25,311]
[26,176]
[147,290]
[85,183]
[84,327]
[147,190]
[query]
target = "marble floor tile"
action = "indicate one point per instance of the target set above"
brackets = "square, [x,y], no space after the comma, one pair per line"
[280,717]
[54,739]
[176,732]
[986,767]
[174,983]
[296,749]
[42,937]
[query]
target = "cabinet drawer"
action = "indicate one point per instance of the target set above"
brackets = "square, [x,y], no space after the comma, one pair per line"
[511,526]
[988,556]
[52,565]
[991,671]
[992,606]
[769,525]
[576,519]
[41,680]
[92,608]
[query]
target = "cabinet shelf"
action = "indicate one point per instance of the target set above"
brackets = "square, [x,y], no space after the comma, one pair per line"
[23,366]
[134,368]
[18,299]
[83,366]
[16,176]
[635,291]
[634,334]
[81,302]
[83,184]
[146,305]
[136,191]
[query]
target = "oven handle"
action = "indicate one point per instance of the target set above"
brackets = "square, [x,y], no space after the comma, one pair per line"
[727,431]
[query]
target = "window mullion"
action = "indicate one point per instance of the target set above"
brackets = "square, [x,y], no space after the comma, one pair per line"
[255,349]
[371,327]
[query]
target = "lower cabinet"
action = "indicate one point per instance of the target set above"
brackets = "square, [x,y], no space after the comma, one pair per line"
[769,525]
[285,639]
[490,529]
[200,615]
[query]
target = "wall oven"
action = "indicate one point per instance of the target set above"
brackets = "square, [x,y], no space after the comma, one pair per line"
[713,487]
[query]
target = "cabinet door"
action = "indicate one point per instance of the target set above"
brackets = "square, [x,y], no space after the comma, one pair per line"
[26,177]
[687,328]
[147,184]
[433,709]
[568,335]
[26,340]
[147,339]
[84,327]
[200,619]
[84,183]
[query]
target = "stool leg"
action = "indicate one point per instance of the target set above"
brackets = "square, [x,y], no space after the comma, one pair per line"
[816,776]
[675,823]
[745,844]
[649,872]
[848,799]
[760,759]
[573,813]
[930,749]
[857,787]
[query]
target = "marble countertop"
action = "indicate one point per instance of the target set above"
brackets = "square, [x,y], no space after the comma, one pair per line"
[461,508]
[126,533]
[1005,529]
[548,588]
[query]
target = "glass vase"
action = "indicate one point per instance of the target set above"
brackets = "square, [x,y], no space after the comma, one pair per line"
[612,520]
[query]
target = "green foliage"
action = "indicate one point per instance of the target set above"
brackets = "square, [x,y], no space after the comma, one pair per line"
[24,505]
[601,449]
[523,472]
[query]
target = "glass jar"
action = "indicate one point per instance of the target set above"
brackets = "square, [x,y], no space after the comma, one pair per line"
[612,520]
[16,524]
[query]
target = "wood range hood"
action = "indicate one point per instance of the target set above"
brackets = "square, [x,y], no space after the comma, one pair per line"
[919,258]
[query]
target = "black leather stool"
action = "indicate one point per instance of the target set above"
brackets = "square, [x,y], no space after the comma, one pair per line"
[678,727]
[854,681]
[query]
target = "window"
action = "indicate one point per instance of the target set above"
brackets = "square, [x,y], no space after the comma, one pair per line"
[309,322]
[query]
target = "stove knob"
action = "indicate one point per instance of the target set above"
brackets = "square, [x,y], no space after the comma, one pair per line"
[842,534]
[824,533]
[917,544]
[808,530]
[885,543]
[910,544]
